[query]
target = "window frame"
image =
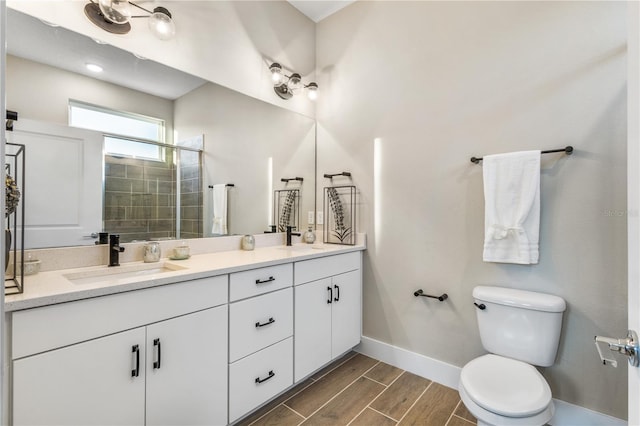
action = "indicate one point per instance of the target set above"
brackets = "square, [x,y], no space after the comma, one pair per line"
[159,123]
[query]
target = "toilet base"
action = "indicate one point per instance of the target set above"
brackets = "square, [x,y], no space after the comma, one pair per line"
[487,418]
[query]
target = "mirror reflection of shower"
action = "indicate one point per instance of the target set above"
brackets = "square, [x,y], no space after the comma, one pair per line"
[154,192]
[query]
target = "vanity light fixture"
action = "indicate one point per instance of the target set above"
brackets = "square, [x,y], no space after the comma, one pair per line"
[114,16]
[286,86]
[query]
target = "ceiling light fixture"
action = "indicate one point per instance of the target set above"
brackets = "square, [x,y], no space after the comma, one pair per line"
[286,86]
[114,16]
[51,24]
[93,67]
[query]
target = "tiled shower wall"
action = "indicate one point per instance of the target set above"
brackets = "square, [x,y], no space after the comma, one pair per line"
[140,197]
[191,200]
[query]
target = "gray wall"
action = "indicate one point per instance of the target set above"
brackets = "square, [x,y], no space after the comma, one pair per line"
[251,144]
[411,91]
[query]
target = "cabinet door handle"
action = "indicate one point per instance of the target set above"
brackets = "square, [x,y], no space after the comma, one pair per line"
[271,374]
[156,343]
[330,299]
[135,349]
[271,321]
[337,287]
[268,280]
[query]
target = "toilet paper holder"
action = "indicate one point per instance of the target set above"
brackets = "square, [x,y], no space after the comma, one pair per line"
[628,346]
[441,298]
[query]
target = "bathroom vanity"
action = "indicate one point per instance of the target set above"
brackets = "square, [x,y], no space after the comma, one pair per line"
[202,341]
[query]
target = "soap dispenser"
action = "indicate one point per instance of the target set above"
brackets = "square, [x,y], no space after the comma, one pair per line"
[309,236]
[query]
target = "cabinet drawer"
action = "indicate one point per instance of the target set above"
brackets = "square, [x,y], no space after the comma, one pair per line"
[49,327]
[259,377]
[258,281]
[315,269]
[259,322]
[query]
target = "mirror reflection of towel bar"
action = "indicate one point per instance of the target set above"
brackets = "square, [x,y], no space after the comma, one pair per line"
[331,176]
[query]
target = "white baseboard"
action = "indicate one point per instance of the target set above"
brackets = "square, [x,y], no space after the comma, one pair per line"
[429,368]
[573,415]
[448,375]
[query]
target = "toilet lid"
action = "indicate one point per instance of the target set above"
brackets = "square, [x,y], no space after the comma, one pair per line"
[505,386]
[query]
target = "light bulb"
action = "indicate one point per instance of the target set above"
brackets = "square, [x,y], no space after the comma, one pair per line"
[161,24]
[295,83]
[312,91]
[116,11]
[276,74]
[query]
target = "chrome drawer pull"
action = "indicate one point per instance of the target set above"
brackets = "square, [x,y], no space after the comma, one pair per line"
[271,374]
[268,280]
[271,321]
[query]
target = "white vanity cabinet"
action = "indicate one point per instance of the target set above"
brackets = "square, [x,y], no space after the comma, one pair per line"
[84,384]
[186,373]
[201,352]
[154,356]
[328,310]
[260,337]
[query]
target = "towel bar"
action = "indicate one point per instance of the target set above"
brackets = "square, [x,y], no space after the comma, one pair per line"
[331,176]
[440,298]
[567,150]
[229,185]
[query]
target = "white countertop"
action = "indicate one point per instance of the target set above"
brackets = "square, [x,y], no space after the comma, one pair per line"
[51,287]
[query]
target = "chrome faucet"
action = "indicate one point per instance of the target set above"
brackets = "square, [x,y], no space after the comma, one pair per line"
[289,234]
[114,250]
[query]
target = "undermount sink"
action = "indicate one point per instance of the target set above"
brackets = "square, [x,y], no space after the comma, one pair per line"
[302,247]
[105,273]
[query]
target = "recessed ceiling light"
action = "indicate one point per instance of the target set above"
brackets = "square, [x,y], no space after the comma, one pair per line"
[93,67]
[51,24]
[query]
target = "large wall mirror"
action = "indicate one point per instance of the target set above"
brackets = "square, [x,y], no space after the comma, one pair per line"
[74,189]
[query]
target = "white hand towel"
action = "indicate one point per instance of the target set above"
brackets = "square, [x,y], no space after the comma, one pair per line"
[512,207]
[219,210]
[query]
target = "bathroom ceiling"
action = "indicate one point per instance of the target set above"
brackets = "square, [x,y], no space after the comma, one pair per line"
[317,10]
[28,38]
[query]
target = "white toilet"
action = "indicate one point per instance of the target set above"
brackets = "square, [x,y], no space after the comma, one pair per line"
[518,328]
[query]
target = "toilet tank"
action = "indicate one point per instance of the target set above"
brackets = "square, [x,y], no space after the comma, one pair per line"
[519,324]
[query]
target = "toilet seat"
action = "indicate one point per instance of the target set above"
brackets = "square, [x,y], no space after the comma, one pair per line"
[487,418]
[505,387]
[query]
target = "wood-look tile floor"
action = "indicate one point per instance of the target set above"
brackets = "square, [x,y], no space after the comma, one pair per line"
[361,391]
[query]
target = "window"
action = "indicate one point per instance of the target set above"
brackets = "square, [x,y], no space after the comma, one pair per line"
[126,125]
[115,122]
